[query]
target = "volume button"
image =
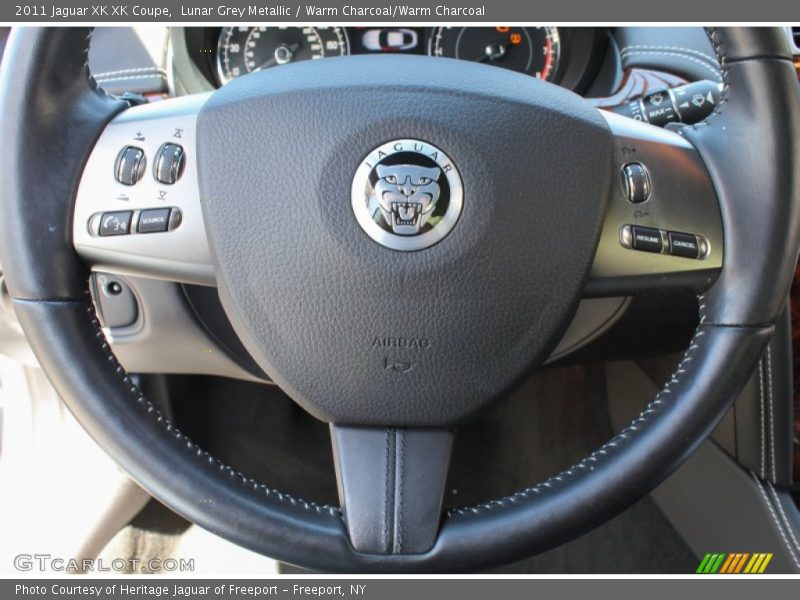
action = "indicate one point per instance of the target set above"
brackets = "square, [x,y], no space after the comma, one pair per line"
[129,166]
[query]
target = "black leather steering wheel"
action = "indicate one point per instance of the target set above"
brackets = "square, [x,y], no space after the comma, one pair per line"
[490,299]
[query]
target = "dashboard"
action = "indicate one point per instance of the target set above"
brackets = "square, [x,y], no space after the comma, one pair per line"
[563,55]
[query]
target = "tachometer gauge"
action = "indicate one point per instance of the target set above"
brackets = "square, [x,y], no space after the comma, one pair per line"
[531,50]
[243,50]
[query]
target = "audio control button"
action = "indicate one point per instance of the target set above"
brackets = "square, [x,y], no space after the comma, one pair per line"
[129,166]
[169,163]
[153,220]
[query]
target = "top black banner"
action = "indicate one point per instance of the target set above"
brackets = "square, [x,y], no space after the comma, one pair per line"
[356,11]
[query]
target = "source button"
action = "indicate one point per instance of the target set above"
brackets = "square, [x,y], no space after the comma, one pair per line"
[154,220]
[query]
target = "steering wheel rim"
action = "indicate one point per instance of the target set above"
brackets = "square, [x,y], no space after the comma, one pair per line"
[61,114]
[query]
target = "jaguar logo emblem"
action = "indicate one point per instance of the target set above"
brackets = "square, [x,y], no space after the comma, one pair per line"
[407,195]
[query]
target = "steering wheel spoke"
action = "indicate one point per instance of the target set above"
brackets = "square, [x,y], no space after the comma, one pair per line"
[138,208]
[391,483]
[663,226]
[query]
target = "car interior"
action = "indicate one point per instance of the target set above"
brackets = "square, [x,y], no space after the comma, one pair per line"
[400,299]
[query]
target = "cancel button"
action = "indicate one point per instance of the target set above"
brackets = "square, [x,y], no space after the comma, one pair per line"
[683,244]
[156,219]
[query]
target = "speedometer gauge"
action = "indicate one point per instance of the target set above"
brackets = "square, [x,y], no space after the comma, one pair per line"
[531,50]
[243,50]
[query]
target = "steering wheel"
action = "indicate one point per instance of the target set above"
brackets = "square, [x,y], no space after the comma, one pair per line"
[398,241]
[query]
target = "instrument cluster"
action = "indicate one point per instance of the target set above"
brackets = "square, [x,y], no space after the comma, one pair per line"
[563,55]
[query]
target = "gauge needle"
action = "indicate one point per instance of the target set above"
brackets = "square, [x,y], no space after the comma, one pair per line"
[493,51]
[282,54]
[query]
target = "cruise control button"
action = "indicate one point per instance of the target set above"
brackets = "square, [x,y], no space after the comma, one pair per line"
[683,244]
[153,220]
[636,182]
[646,238]
[115,223]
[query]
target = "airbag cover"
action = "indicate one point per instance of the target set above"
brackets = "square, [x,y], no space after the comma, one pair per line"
[359,333]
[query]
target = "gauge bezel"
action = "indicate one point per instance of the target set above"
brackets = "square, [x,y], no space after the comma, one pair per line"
[225,78]
[553,32]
